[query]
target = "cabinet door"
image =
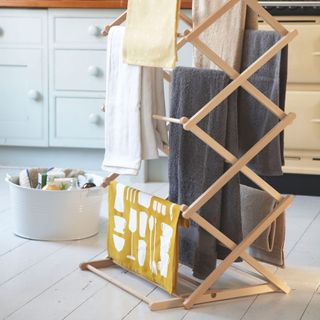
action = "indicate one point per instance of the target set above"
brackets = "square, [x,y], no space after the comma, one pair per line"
[23,106]
[304,133]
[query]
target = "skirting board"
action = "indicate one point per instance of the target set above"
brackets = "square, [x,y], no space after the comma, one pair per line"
[86,159]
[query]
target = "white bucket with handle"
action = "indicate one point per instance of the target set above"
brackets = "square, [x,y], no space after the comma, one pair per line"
[55,215]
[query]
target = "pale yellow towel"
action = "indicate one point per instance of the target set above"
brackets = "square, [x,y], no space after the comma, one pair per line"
[225,36]
[150,37]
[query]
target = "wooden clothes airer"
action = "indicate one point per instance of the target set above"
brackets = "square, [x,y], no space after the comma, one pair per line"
[203,293]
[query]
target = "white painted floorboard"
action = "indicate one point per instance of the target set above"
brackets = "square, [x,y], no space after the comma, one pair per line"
[41,280]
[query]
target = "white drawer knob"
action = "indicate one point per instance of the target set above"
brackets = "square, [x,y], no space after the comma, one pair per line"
[103,108]
[94,31]
[94,118]
[33,94]
[93,71]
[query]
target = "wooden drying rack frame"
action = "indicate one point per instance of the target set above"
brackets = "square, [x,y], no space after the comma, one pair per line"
[203,292]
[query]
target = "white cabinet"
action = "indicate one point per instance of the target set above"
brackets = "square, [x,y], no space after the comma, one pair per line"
[23,78]
[77,80]
[52,77]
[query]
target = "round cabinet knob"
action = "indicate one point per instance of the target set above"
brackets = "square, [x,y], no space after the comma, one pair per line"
[103,108]
[33,94]
[94,118]
[93,71]
[94,31]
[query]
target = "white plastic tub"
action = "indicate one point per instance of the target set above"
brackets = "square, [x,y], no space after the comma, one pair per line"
[55,215]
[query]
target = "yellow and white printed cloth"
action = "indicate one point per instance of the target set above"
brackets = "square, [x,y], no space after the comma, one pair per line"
[151,33]
[143,234]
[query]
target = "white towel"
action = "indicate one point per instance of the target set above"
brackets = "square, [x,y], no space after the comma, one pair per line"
[133,94]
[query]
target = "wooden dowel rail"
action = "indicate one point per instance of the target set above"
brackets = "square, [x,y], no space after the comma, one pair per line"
[122,18]
[116,22]
[119,284]
[108,179]
[169,119]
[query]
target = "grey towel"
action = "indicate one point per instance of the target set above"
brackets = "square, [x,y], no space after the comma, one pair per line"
[254,119]
[255,206]
[194,166]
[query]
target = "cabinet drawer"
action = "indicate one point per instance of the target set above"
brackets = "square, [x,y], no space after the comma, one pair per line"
[304,133]
[79,70]
[20,29]
[77,30]
[77,122]
[304,53]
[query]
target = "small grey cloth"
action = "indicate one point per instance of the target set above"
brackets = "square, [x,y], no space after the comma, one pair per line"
[194,166]
[255,120]
[255,206]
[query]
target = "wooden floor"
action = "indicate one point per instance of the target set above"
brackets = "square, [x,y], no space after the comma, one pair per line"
[41,280]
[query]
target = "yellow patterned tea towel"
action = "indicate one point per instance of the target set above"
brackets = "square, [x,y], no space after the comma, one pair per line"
[150,36]
[143,234]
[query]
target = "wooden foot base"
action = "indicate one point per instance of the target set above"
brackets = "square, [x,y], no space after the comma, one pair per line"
[178,301]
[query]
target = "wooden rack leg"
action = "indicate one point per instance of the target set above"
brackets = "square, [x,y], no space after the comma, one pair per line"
[105,263]
[245,256]
[108,179]
[237,251]
[214,295]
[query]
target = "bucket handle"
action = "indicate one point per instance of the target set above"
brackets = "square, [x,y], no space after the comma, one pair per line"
[8,178]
